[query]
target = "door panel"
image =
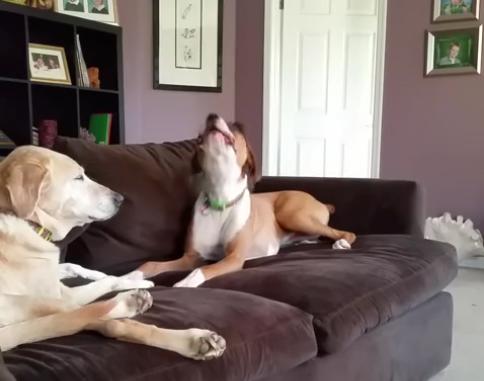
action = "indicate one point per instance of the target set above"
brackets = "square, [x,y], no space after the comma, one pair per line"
[329,55]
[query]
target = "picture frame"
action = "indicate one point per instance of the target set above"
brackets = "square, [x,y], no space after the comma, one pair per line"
[455,10]
[97,10]
[47,5]
[48,64]
[454,49]
[187,45]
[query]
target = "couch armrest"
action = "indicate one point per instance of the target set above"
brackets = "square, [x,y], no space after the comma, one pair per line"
[363,206]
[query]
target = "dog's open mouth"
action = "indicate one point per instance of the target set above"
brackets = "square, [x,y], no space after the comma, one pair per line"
[221,135]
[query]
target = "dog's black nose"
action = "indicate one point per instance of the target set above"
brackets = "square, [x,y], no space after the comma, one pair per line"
[118,199]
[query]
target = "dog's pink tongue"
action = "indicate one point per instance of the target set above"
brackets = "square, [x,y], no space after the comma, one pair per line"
[219,136]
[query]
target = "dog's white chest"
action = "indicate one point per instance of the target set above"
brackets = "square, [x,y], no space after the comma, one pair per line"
[213,229]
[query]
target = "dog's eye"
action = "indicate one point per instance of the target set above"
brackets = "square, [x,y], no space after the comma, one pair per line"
[80,178]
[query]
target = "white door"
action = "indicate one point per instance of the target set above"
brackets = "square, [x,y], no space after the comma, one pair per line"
[329,87]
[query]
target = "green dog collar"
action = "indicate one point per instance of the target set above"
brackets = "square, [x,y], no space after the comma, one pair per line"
[220,205]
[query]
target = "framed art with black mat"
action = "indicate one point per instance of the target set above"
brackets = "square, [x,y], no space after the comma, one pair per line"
[187,37]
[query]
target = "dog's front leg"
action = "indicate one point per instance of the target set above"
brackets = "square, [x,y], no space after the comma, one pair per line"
[85,294]
[71,270]
[198,344]
[232,262]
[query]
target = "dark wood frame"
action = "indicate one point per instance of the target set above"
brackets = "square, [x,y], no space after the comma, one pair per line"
[156,51]
[33,101]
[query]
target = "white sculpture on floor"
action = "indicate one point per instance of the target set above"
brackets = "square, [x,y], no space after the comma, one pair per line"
[459,233]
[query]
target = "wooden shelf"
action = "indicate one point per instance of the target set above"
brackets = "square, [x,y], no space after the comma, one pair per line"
[24,102]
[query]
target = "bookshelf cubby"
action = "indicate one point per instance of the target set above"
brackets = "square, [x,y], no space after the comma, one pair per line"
[24,103]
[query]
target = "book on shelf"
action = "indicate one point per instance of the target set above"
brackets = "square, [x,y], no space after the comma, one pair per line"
[100,126]
[81,64]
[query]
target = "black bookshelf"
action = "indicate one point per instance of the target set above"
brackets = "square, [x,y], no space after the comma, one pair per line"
[24,103]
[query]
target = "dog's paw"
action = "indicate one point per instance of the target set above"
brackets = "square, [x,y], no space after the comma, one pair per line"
[134,275]
[131,303]
[71,270]
[128,284]
[342,244]
[204,345]
[194,279]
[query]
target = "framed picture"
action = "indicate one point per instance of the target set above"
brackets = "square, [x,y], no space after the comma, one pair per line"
[187,39]
[455,10]
[97,10]
[48,64]
[47,5]
[19,2]
[41,4]
[454,50]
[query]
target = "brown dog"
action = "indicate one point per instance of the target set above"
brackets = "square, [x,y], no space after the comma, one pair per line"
[229,224]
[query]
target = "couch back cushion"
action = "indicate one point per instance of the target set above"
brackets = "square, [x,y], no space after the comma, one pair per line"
[157,183]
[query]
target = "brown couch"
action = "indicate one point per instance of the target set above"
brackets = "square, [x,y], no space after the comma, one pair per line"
[374,313]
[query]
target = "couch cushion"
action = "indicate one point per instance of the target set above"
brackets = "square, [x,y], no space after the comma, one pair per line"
[263,338]
[349,292]
[156,180]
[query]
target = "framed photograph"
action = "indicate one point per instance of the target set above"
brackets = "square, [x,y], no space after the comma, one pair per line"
[19,2]
[47,5]
[454,50]
[187,39]
[97,10]
[48,64]
[41,4]
[455,10]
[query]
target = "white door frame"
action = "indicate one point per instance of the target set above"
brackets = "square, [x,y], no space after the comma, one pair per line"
[273,25]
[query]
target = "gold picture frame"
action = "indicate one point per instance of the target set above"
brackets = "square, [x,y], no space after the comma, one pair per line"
[48,64]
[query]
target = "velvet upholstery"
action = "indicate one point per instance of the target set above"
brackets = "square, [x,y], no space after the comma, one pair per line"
[349,292]
[413,347]
[363,206]
[263,337]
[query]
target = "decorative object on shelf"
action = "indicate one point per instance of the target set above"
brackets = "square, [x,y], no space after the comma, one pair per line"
[455,10]
[81,64]
[48,64]
[96,10]
[454,49]
[47,133]
[100,127]
[84,134]
[459,232]
[94,80]
[47,5]
[187,39]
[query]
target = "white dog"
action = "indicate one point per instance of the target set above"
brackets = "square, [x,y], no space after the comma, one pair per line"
[43,195]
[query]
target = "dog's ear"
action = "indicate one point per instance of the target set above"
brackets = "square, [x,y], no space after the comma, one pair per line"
[24,185]
[198,156]
[250,168]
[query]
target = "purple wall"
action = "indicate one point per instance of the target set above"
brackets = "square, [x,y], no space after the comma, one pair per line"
[433,128]
[157,115]
[249,77]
